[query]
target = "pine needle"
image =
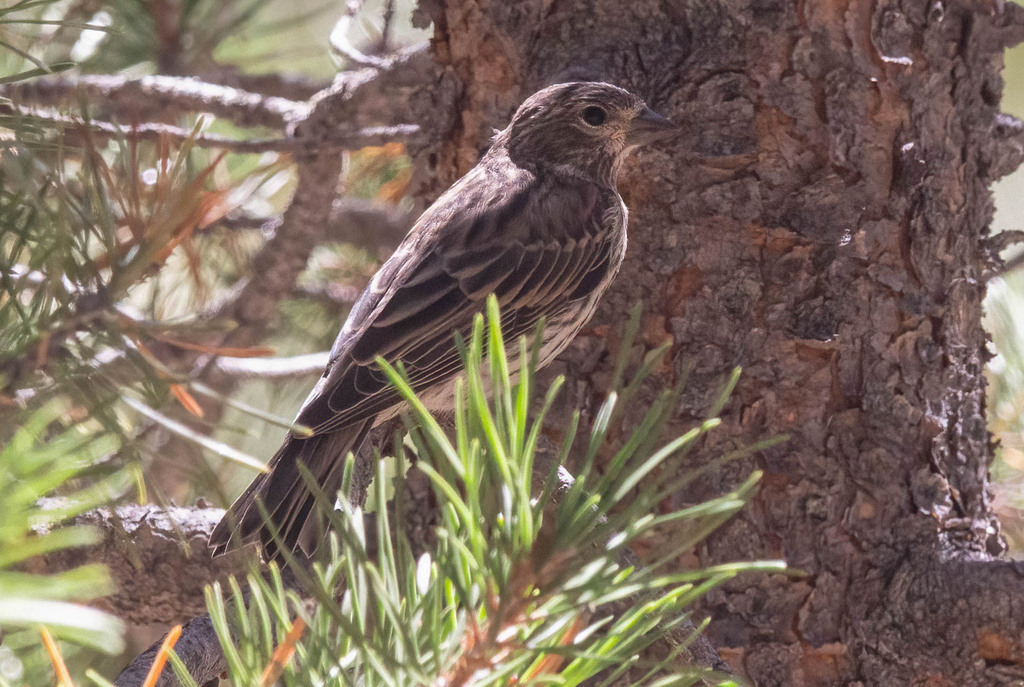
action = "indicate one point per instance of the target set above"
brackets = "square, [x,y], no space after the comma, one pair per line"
[61,670]
[161,657]
[549,664]
[282,654]
[187,400]
[218,447]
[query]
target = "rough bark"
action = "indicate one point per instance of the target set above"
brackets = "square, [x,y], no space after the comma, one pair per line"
[157,557]
[821,222]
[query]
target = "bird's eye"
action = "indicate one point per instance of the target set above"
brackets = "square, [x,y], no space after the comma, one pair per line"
[594,115]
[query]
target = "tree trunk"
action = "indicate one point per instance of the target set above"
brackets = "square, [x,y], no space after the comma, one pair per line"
[821,222]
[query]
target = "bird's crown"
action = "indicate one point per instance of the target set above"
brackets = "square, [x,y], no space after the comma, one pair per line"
[581,128]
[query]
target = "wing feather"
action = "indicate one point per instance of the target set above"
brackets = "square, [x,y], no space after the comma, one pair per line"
[415,318]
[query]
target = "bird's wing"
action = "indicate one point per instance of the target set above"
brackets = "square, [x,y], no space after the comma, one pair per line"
[538,250]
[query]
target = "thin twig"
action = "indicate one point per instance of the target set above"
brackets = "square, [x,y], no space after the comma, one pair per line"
[341,45]
[385,31]
[997,243]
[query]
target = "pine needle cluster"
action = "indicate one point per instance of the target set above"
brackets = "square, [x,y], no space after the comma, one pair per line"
[525,585]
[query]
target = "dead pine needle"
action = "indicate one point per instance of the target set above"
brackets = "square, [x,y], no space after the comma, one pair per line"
[161,657]
[59,668]
[187,400]
[282,654]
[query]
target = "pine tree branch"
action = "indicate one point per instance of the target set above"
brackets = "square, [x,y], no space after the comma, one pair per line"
[361,96]
[353,101]
[153,131]
[157,557]
[201,650]
[157,97]
[137,538]
[288,86]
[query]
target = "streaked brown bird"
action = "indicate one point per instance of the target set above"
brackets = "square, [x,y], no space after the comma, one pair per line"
[538,222]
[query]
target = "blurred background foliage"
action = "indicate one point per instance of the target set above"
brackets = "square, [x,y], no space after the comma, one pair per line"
[1004,319]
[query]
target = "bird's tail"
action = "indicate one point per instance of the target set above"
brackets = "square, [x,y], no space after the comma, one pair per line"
[285,496]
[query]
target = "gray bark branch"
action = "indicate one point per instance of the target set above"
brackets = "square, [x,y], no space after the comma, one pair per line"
[157,97]
[150,131]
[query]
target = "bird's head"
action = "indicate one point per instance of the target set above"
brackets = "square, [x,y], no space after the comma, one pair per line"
[583,129]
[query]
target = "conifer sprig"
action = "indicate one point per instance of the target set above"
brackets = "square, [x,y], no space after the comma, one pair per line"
[522,587]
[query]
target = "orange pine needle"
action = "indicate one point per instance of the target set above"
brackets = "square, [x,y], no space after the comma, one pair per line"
[61,670]
[282,654]
[549,664]
[187,400]
[161,656]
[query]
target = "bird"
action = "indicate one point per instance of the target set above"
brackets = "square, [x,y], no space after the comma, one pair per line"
[538,222]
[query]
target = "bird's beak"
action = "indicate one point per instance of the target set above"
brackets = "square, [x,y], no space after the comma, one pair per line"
[648,126]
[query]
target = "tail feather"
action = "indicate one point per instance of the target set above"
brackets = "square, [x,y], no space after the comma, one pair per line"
[285,496]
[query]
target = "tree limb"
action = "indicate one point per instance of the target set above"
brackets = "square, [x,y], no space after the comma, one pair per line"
[158,559]
[355,100]
[153,131]
[158,97]
[288,86]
